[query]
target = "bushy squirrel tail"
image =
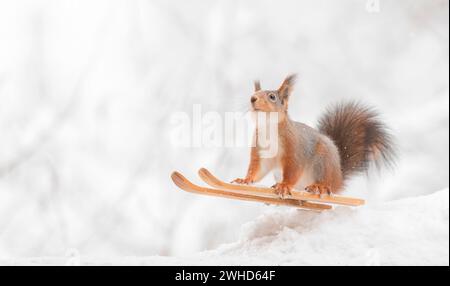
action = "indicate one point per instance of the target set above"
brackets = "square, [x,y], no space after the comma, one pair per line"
[360,136]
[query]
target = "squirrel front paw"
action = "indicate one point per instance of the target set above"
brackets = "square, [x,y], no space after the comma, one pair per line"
[282,189]
[245,181]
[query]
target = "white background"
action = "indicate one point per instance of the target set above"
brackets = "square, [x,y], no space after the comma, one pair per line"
[87,89]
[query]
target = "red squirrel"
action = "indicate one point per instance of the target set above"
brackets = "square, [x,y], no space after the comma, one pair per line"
[348,139]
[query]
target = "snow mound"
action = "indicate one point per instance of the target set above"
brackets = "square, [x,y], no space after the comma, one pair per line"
[412,231]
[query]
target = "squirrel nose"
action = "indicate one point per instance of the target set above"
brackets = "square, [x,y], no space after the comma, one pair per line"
[253,99]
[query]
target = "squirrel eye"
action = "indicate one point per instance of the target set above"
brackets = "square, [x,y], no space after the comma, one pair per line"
[272,97]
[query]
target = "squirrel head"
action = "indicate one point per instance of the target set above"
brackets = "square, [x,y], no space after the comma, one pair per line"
[273,100]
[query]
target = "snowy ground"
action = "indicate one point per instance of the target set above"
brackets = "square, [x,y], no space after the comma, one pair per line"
[412,231]
[87,89]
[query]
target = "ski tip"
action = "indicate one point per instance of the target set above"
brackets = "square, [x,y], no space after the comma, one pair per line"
[180,181]
[175,174]
[177,178]
[202,171]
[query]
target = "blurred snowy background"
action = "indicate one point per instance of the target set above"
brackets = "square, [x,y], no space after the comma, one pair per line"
[87,89]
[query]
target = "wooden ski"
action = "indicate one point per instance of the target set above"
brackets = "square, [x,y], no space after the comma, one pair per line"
[213,181]
[188,186]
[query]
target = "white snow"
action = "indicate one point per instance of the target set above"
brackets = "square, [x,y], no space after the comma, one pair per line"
[411,231]
[87,89]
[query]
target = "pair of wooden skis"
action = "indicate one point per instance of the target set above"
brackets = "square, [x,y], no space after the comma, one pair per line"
[298,199]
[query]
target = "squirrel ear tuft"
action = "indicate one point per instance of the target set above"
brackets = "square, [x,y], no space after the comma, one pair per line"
[257,85]
[286,87]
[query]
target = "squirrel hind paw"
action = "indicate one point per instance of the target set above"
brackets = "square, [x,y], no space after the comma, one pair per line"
[319,189]
[283,190]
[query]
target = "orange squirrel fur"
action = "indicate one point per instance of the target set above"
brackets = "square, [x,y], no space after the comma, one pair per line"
[348,138]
